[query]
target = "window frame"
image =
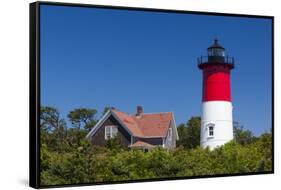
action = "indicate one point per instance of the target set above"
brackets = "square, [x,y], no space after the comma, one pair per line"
[211,129]
[108,129]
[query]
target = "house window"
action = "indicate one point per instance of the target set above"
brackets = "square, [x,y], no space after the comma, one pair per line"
[110,131]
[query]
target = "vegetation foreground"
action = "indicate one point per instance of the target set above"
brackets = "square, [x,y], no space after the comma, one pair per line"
[66,158]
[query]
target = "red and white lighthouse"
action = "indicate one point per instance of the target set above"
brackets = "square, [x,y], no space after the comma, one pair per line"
[216,119]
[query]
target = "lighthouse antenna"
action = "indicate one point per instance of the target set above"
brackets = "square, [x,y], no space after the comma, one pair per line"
[216,40]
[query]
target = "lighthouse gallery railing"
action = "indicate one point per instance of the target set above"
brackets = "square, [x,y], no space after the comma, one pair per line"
[210,59]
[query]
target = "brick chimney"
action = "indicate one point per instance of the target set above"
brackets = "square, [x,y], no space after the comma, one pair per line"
[139,111]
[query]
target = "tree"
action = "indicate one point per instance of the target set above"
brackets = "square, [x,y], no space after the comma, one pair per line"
[182,132]
[50,119]
[189,134]
[106,108]
[241,135]
[83,118]
[193,132]
[51,122]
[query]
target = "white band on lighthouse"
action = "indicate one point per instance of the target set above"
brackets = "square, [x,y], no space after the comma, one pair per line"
[216,123]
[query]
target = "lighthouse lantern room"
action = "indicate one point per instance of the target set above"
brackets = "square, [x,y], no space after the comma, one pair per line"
[216,119]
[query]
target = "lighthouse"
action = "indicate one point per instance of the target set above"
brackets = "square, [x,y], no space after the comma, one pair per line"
[216,119]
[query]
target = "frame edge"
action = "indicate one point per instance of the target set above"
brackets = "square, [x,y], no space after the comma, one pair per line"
[34,154]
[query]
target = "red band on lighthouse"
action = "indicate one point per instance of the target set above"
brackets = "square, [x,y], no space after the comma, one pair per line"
[216,83]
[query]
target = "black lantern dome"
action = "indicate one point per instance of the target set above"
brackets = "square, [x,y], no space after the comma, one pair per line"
[216,49]
[216,55]
[216,52]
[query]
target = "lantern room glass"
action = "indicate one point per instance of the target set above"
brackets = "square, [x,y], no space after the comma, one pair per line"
[216,52]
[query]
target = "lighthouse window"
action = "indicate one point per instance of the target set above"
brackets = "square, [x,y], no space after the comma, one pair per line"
[216,52]
[211,131]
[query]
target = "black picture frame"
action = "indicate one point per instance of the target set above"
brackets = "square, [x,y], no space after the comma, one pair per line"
[34,89]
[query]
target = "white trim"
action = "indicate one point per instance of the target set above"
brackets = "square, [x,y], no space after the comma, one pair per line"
[99,123]
[102,120]
[170,134]
[175,127]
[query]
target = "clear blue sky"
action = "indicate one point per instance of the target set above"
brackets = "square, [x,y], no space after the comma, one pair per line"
[100,57]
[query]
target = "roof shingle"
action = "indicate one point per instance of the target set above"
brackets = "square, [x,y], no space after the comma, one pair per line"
[146,125]
[141,144]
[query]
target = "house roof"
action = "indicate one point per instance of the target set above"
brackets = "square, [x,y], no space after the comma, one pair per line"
[129,122]
[147,124]
[144,125]
[141,144]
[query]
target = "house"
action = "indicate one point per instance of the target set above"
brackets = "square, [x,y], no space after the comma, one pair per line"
[140,130]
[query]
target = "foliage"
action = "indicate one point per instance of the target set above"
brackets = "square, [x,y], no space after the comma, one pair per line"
[106,108]
[82,118]
[52,128]
[114,143]
[50,120]
[182,132]
[72,159]
[241,135]
[189,134]
[86,164]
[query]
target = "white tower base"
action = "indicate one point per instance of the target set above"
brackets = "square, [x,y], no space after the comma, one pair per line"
[216,124]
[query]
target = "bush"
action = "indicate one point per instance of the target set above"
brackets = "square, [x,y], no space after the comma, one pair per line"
[86,164]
